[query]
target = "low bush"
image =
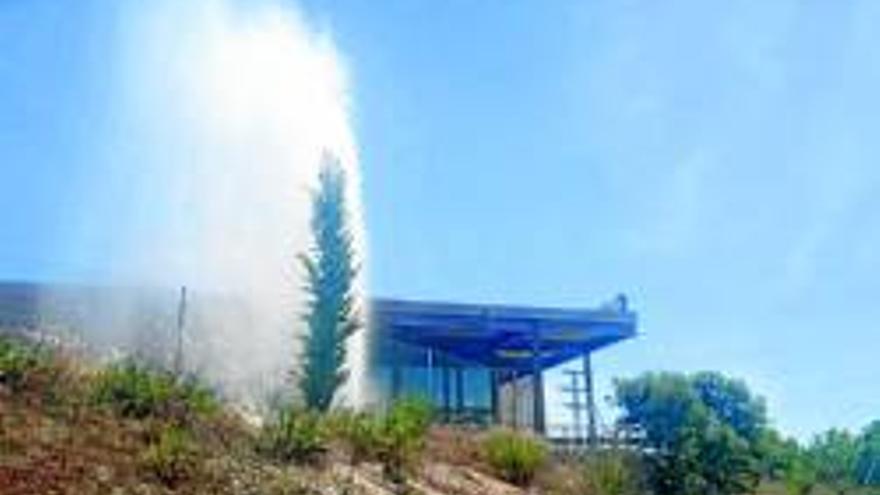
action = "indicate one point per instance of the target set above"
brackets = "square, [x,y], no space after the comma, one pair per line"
[799,478]
[294,435]
[394,439]
[359,434]
[455,445]
[515,457]
[611,472]
[20,361]
[137,391]
[401,437]
[172,458]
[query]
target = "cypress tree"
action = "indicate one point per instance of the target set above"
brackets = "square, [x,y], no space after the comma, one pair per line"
[331,315]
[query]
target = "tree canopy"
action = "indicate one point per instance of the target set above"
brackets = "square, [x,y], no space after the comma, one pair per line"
[867,464]
[700,433]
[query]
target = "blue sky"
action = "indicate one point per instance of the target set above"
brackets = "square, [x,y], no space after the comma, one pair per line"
[716,161]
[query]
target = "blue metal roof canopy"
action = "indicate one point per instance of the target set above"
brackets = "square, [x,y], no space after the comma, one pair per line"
[501,336]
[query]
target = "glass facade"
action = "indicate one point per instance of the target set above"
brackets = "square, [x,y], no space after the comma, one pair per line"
[459,391]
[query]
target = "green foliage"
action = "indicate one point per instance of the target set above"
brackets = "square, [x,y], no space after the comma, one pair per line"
[834,455]
[137,391]
[20,361]
[394,439]
[778,455]
[515,456]
[784,460]
[401,437]
[732,403]
[361,433]
[295,435]
[868,455]
[701,433]
[330,271]
[800,476]
[172,457]
[611,472]
[838,460]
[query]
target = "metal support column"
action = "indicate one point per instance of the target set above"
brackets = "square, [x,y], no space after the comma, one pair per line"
[396,372]
[459,392]
[592,430]
[538,422]
[447,392]
[514,400]
[495,414]
[576,405]
[429,370]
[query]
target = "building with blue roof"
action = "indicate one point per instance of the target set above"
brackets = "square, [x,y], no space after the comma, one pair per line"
[486,363]
[476,363]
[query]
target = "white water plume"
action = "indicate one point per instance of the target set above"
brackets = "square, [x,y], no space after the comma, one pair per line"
[218,115]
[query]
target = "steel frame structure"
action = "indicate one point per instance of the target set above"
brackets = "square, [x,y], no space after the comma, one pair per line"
[515,344]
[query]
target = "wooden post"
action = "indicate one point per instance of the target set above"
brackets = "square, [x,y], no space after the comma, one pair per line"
[181,322]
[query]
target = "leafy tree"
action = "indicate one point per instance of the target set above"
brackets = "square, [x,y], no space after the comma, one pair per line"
[834,455]
[701,433]
[732,403]
[779,455]
[330,269]
[800,475]
[785,460]
[868,456]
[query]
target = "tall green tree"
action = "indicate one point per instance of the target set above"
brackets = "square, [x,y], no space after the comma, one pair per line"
[331,316]
[785,461]
[834,455]
[731,401]
[868,457]
[701,433]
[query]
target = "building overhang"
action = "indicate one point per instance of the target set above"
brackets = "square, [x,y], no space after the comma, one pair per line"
[513,338]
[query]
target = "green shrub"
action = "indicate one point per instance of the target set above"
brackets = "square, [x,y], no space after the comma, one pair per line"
[401,437]
[516,457]
[612,472]
[394,439]
[358,432]
[136,391]
[295,435]
[19,361]
[800,477]
[172,457]
[196,397]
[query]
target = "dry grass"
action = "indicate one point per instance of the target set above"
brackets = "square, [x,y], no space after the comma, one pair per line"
[55,439]
[457,446]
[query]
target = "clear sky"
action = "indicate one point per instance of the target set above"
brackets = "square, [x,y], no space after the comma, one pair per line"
[716,161]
